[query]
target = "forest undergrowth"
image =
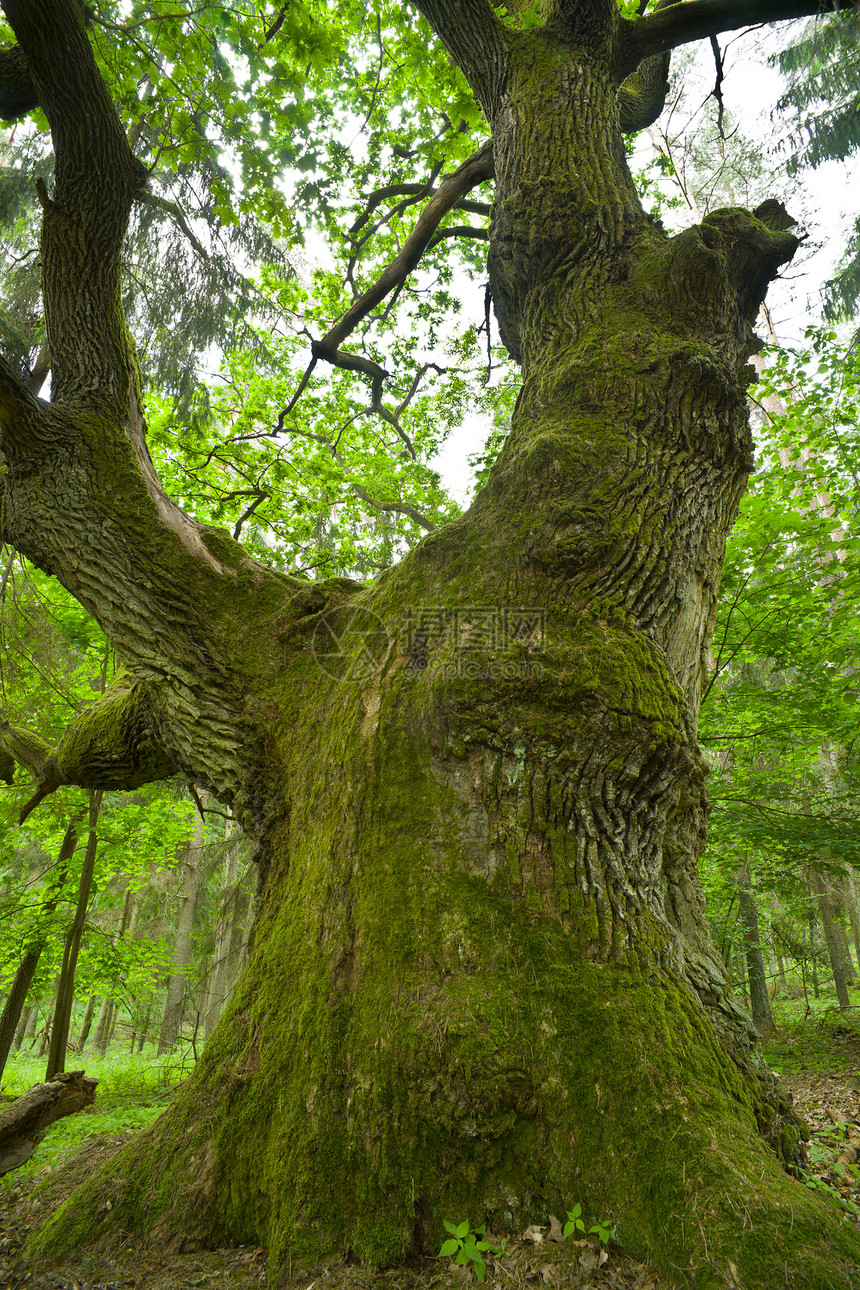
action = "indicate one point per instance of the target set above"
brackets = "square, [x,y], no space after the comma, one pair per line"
[816,1051]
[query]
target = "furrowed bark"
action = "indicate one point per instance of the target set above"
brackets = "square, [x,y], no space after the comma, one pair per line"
[481,978]
[80,495]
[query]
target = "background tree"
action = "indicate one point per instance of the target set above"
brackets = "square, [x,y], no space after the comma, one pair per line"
[780,719]
[821,108]
[481,978]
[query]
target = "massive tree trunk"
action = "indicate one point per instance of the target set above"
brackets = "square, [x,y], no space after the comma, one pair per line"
[481,981]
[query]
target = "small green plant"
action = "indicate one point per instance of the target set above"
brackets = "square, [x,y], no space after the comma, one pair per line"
[605,1232]
[467,1246]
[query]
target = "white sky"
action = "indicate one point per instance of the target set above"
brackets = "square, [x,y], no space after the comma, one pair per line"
[824,201]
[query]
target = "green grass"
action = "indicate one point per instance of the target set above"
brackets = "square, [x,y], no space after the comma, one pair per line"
[824,1038]
[133,1091]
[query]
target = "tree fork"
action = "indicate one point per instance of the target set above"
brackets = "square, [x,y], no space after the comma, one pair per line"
[481,980]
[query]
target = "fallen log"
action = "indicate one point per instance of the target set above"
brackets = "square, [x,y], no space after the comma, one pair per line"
[23,1123]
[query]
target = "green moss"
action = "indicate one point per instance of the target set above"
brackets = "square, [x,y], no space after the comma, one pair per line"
[419,1017]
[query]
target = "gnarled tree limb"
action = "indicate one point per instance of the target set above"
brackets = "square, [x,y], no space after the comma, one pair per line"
[111,744]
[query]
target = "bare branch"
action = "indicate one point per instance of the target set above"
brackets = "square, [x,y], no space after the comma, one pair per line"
[478,168]
[261,497]
[461,230]
[421,190]
[380,195]
[474,171]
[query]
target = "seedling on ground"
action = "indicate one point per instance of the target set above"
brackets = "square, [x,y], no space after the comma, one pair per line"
[467,1246]
[575,1226]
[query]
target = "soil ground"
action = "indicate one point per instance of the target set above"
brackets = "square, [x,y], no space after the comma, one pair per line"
[819,1059]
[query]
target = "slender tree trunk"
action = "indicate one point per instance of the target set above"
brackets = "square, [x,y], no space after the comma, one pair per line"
[849,904]
[20,1033]
[30,961]
[756,971]
[144,1029]
[102,1031]
[86,1024]
[834,939]
[66,984]
[175,999]
[108,1006]
[45,1036]
[32,1026]
[15,1002]
[781,983]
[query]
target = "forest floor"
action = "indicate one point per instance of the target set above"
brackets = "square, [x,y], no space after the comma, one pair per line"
[818,1056]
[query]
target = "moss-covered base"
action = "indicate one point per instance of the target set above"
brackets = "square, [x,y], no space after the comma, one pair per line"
[468,998]
[497,1098]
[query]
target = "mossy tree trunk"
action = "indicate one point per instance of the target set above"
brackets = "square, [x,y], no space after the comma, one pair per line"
[481,982]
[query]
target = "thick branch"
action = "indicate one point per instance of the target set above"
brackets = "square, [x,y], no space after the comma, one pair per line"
[476,40]
[679,24]
[85,219]
[109,745]
[25,748]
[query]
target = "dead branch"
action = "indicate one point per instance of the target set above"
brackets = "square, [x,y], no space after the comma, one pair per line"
[473,171]
[147,198]
[23,1123]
